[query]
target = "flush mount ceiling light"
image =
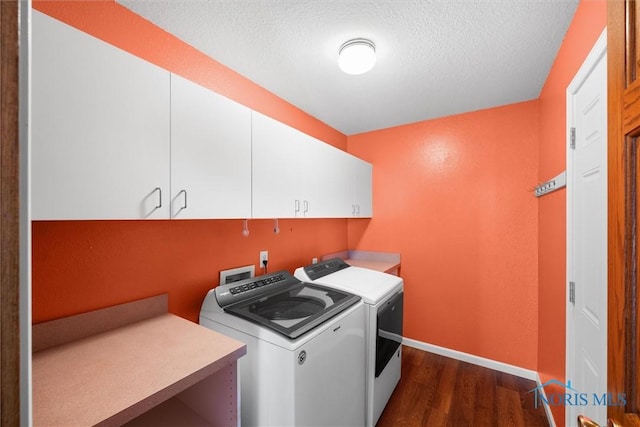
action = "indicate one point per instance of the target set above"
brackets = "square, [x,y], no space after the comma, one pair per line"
[357,56]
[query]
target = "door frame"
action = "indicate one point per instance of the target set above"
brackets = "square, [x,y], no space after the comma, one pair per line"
[9,218]
[15,220]
[596,54]
[623,130]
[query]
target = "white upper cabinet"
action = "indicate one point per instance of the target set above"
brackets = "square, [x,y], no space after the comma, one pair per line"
[334,186]
[280,170]
[298,176]
[100,129]
[362,188]
[210,154]
[115,137]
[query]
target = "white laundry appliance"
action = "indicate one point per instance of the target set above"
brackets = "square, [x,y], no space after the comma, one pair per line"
[383,296]
[305,347]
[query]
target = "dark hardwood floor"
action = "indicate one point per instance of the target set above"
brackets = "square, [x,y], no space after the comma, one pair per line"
[438,391]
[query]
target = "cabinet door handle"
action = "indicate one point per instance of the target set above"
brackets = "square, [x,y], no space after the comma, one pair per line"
[358,210]
[353,210]
[296,207]
[306,206]
[185,199]
[159,190]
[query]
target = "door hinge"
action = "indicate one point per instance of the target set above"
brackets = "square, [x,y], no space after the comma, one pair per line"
[572,139]
[572,293]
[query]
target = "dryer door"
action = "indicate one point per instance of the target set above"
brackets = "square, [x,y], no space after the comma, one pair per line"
[389,328]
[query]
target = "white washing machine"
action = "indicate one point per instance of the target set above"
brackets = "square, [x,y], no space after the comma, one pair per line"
[383,295]
[305,348]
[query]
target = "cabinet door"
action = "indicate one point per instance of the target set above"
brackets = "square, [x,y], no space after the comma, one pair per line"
[281,169]
[210,154]
[334,188]
[298,176]
[100,129]
[362,188]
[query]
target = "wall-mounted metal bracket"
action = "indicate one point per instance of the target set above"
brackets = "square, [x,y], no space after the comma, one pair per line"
[552,185]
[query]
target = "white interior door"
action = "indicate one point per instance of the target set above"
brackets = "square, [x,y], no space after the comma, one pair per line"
[587,235]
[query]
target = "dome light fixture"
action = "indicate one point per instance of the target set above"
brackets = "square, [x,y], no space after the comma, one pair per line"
[357,56]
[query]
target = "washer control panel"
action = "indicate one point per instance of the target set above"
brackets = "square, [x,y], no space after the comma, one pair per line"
[248,288]
[324,268]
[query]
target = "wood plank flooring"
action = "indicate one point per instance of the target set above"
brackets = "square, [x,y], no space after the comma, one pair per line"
[438,391]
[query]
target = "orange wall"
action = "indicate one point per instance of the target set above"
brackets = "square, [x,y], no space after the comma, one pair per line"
[452,196]
[84,265]
[588,23]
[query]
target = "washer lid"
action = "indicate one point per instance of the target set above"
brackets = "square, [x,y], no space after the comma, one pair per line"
[373,286]
[295,309]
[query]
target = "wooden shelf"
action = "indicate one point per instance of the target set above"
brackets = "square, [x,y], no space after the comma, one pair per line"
[115,376]
[169,414]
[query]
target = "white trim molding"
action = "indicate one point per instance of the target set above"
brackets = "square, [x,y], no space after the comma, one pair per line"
[471,358]
[547,408]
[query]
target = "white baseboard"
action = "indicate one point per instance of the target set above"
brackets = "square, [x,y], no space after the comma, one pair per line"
[484,362]
[547,408]
[470,358]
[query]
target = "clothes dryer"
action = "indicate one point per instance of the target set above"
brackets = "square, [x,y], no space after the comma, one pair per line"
[383,296]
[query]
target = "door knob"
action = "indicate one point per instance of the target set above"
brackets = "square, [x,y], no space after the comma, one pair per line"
[584,421]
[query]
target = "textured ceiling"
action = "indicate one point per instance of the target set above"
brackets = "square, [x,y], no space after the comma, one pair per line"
[435,57]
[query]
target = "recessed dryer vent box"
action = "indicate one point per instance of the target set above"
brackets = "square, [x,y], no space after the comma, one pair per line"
[237,274]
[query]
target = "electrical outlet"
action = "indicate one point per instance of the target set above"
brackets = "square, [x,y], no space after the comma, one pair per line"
[314,260]
[264,256]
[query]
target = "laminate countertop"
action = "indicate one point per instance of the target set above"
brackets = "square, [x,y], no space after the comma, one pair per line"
[385,262]
[114,376]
